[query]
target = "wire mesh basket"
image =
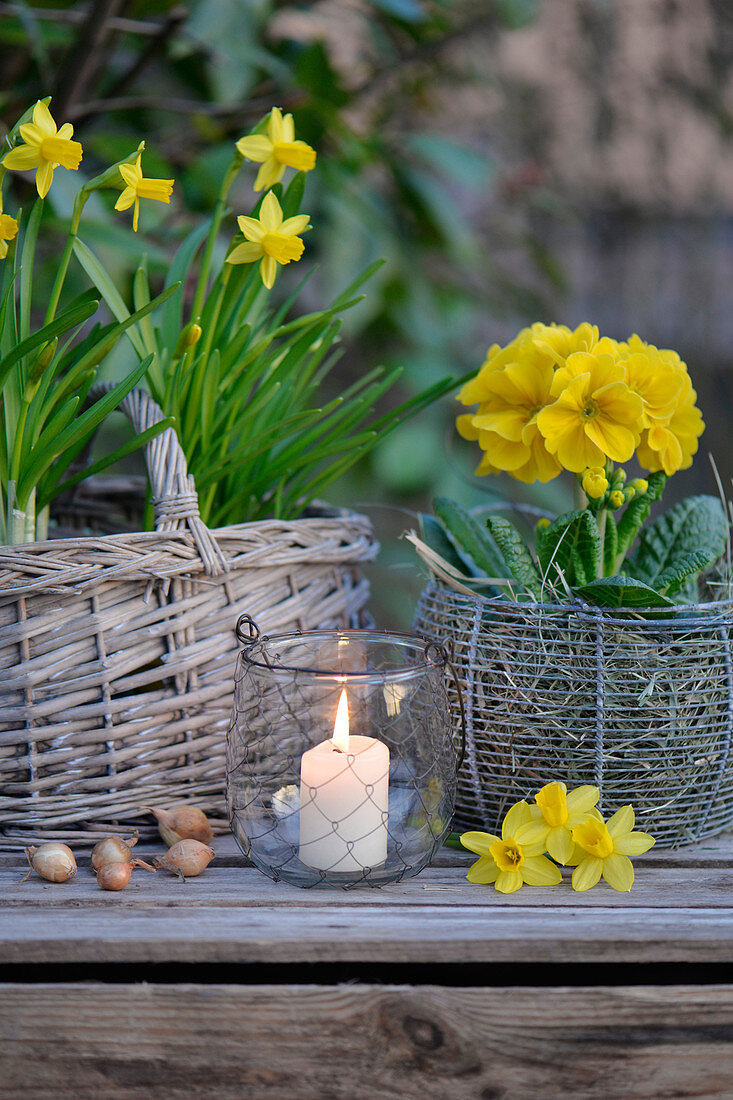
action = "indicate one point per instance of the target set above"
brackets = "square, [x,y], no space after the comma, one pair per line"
[341,768]
[640,706]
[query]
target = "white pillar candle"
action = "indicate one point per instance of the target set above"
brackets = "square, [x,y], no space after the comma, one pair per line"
[344,782]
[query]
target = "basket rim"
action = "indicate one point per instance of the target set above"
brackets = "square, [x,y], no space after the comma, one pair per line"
[687,613]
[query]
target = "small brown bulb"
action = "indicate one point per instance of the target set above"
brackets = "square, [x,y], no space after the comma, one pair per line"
[186,859]
[182,823]
[113,849]
[116,874]
[53,861]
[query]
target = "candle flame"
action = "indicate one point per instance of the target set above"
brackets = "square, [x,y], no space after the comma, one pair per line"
[341,725]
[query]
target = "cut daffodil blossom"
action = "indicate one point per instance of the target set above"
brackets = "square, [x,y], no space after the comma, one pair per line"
[603,848]
[513,859]
[276,150]
[8,230]
[270,238]
[138,187]
[45,148]
[556,814]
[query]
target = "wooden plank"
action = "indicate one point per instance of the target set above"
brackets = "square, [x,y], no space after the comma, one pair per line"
[655,888]
[355,1042]
[366,933]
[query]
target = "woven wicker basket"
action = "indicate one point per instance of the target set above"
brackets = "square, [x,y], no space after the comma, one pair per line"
[642,707]
[117,652]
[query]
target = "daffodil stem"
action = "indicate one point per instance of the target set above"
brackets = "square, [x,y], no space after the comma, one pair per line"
[58,283]
[216,310]
[216,217]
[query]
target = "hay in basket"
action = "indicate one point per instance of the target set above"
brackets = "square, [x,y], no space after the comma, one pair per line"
[642,707]
[117,652]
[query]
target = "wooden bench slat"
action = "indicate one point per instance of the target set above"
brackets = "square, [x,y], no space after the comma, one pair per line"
[355,1042]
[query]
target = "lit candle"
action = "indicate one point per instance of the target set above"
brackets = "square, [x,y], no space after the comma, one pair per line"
[344,790]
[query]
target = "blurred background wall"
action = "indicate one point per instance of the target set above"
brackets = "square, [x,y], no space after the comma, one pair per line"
[568,160]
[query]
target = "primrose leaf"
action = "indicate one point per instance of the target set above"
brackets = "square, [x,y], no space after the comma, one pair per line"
[470,538]
[621,591]
[696,526]
[572,547]
[637,511]
[517,557]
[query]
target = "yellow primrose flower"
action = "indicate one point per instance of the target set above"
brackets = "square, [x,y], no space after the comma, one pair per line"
[8,230]
[595,416]
[45,148]
[137,187]
[656,381]
[595,482]
[669,446]
[507,420]
[560,341]
[556,815]
[276,150]
[270,239]
[604,849]
[514,859]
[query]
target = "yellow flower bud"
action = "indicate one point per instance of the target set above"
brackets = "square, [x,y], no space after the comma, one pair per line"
[543,523]
[190,335]
[616,499]
[595,482]
[640,486]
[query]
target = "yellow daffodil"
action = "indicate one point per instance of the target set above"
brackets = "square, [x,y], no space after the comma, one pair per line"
[513,859]
[276,150]
[595,482]
[604,849]
[595,416]
[45,148]
[270,238]
[555,816]
[137,187]
[8,230]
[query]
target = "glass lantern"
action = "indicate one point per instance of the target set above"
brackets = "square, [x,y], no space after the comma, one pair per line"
[341,766]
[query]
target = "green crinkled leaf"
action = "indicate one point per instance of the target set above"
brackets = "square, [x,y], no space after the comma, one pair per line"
[696,526]
[573,539]
[578,566]
[672,579]
[610,544]
[470,538]
[637,511]
[621,591]
[518,560]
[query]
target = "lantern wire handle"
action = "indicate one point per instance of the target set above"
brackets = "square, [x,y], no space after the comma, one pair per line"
[444,654]
[252,635]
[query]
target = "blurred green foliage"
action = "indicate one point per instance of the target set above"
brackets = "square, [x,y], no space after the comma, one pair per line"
[367,83]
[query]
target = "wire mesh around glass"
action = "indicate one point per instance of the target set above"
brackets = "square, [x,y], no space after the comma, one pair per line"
[341,765]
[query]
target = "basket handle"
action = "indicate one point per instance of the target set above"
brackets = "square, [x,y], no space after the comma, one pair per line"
[175,502]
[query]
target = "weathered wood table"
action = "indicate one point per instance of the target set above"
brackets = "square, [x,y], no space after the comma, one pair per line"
[229,986]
